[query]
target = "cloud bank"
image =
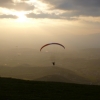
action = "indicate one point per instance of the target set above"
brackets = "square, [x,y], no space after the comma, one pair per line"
[79,7]
[55,9]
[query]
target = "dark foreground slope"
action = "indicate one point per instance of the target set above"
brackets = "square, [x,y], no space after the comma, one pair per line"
[15,89]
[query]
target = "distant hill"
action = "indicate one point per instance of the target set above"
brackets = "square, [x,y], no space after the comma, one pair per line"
[15,89]
[43,73]
[57,74]
[54,78]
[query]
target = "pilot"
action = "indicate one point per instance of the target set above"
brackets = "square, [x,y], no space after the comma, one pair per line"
[53,63]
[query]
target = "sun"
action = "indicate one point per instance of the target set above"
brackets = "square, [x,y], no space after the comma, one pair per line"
[21,17]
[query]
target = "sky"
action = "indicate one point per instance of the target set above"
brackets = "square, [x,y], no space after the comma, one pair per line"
[33,23]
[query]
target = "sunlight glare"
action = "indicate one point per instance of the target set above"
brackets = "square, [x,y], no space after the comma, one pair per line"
[21,17]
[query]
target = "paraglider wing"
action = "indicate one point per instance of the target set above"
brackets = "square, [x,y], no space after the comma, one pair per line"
[51,44]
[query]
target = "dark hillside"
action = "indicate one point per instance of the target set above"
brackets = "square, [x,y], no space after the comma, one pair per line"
[15,89]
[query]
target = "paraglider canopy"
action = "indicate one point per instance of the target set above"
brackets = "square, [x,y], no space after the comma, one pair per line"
[51,44]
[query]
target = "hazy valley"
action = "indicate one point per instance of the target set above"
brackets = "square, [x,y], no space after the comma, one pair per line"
[75,66]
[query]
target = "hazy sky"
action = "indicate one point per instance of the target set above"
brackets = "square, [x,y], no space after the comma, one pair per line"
[32,23]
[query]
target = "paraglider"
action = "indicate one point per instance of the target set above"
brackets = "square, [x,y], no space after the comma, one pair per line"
[53,63]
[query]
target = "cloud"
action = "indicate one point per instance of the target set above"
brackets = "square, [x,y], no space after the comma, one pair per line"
[43,15]
[79,7]
[72,10]
[23,6]
[49,16]
[10,4]
[6,3]
[8,16]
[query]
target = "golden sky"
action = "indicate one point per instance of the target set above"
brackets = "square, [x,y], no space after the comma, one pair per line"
[75,23]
